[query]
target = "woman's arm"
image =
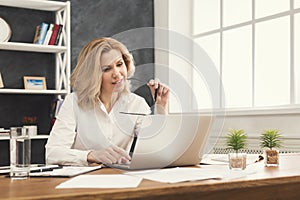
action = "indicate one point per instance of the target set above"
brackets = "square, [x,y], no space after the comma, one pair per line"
[59,145]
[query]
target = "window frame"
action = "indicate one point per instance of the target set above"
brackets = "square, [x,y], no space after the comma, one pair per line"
[290,108]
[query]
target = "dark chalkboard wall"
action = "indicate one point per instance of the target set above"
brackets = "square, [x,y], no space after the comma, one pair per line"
[89,19]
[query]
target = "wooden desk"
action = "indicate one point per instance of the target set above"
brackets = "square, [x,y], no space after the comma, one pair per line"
[268,183]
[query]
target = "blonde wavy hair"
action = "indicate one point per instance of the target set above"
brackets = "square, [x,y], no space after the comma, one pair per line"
[86,78]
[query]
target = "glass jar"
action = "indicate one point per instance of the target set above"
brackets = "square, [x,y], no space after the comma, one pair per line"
[271,157]
[237,161]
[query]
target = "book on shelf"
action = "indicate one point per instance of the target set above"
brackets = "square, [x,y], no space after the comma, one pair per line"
[48,34]
[42,33]
[37,34]
[59,102]
[55,107]
[57,39]
[56,34]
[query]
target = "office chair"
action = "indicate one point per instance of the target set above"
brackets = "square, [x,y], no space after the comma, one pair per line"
[145,92]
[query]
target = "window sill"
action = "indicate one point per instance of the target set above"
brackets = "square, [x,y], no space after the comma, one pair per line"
[280,110]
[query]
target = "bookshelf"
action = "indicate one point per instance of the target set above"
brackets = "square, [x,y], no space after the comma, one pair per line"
[61,64]
[61,51]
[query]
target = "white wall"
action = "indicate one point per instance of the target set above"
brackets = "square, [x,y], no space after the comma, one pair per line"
[175,23]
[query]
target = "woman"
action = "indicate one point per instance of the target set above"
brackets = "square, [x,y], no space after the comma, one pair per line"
[88,128]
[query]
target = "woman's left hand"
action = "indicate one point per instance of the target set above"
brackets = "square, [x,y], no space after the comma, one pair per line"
[160,93]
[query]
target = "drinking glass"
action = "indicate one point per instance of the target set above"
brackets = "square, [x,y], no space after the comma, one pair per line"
[20,151]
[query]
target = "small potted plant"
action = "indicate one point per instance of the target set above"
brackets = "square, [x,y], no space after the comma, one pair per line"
[270,140]
[236,140]
[31,124]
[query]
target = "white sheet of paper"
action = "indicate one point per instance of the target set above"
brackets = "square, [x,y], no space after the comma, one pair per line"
[175,175]
[102,181]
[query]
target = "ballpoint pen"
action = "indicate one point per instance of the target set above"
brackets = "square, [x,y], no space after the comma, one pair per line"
[41,170]
[132,145]
[155,93]
[132,113]
[136,130]
[45,169]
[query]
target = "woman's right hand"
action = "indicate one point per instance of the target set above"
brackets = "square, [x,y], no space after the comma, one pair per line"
[161,96]
[112,154]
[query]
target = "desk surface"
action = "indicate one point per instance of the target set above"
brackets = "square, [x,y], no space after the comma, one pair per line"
[281,182]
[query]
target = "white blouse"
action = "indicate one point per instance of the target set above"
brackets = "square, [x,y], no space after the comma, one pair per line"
[76,132]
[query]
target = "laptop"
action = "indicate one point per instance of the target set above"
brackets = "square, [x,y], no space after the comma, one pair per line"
[167,140]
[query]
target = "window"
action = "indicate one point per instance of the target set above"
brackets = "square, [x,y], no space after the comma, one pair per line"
[265,8]
[253,44]
[297,4]
[237,67]
[232,15]
[272,61]
[206,10]
[296,57]
[211,45]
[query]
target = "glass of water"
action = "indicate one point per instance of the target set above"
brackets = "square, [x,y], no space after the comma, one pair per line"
[20,152]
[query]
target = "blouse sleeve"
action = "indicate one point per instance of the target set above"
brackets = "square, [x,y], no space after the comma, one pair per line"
[59,145]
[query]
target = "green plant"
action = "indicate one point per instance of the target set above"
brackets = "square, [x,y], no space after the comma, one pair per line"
[236,139]
[270,138]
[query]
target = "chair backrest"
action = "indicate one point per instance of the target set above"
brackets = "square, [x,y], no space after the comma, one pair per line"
[145,92]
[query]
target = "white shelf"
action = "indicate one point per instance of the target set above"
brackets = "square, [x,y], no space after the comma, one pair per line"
[61,51]
[33,137]
[26,91]
[35,4]
[16,46]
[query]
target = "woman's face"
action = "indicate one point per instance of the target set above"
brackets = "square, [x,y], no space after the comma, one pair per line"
[114,72]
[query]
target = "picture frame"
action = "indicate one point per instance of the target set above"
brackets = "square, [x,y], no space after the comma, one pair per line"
[1,82]
[35,83]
